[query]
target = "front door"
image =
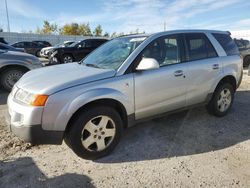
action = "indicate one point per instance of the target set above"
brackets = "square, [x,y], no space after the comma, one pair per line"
[164,89]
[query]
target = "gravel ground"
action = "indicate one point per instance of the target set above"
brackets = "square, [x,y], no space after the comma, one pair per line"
[188,149]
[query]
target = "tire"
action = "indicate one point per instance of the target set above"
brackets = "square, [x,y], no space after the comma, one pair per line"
[246,61]
[37,54]
[222,100]
[10,76]
[67,58]
[85,136]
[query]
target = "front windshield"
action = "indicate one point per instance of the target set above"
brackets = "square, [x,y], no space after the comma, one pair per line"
[74,44]
[113,53]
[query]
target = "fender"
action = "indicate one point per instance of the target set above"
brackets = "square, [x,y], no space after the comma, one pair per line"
[16,63]
[92,95]
[222,75]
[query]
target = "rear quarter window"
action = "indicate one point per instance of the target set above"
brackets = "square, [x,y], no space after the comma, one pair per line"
[227,43]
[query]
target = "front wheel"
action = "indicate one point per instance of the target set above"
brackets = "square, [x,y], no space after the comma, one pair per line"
[95,132]
[222,100]
[67,58]
[10,76]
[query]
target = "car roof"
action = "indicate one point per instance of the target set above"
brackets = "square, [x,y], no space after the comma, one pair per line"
[177,32]
[93,39]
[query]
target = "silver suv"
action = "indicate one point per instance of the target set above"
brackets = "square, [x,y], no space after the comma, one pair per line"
[126,80]
[13,65]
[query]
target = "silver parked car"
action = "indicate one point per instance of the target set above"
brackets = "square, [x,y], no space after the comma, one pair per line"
[13,65]
[126,80]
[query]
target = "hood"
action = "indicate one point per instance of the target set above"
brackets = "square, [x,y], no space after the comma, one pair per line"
[19,53]
[64,48]
[49,80]
[47,48]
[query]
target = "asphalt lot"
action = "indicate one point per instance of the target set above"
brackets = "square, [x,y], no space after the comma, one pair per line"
[188,149]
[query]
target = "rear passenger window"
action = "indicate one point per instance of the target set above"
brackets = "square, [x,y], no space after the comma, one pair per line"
[199,47]
[227,43]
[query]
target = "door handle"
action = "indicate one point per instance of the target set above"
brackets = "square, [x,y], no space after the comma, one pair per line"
[178,73]
[216,66]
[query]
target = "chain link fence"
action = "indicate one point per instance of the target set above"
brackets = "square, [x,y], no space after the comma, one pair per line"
[53,39]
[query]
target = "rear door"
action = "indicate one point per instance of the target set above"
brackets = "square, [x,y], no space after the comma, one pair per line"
[203,67]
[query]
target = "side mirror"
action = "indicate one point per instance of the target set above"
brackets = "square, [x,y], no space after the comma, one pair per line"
[147,64]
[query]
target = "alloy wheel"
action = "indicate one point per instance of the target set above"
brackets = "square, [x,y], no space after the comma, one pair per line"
[224,100]
[98,133]
[13,77]
[68,59]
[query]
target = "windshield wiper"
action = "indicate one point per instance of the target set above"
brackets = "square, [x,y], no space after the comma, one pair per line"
[92,65]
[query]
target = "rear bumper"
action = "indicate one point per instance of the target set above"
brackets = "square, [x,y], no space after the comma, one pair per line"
[34,134]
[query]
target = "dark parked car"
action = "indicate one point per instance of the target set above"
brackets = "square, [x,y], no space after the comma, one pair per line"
[244,48]
[3,41]
[30,47]
[10,48]
[46,52]
[76,51]
[42,42]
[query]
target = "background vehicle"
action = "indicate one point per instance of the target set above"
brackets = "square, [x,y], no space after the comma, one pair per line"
[42,42]
[10,48]
[13,65]
[244,48]
[76,51]
[30,47]
[3,41]
[46,52]
[125,81]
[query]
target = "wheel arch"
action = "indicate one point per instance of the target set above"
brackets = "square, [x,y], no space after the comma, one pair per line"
[117,105]
[6,67]
[69,54]
[228,79]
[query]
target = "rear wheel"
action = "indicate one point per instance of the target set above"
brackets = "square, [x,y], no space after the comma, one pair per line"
[95,132]
[246,61]
[222,100]
[10,76]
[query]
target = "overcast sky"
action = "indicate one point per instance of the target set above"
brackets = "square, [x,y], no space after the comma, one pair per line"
[128,15]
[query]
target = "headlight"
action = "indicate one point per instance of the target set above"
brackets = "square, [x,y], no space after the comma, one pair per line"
[14,90]
[30,98]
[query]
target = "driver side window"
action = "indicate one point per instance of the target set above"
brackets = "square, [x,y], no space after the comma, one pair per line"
[166,50]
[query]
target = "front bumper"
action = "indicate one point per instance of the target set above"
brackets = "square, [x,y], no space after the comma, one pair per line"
[25,122]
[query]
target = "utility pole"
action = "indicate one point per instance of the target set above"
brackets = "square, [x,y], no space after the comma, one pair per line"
[165,26]
[7,14]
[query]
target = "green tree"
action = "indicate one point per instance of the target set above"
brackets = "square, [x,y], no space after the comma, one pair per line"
[84,29]
[47,28]
[98,31]
[70,29]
